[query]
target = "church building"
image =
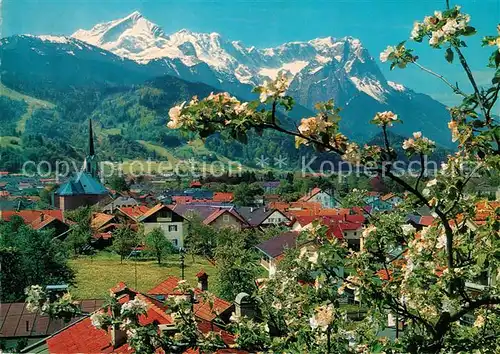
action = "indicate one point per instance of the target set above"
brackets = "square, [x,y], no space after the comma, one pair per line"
[83,189]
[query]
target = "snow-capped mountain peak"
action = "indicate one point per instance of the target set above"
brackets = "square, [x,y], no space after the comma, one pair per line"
[134,37]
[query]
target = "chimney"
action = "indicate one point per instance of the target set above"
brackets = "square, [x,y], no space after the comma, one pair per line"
[202,280]
[118,336]
[42,217]
[243,306]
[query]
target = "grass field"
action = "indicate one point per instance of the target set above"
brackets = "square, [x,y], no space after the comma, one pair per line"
[33,104]
[10,141]
[97,274]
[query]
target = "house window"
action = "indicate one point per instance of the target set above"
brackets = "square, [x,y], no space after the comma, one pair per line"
[172,227]
[174,242]
[225,217]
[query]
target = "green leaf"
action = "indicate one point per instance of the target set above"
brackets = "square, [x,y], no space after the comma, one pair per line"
[469,31]
[449,55]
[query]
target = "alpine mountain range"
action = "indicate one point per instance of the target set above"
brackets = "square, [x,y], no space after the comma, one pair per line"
[132,50]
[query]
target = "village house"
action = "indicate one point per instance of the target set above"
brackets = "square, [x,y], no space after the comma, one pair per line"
[169,221]
[40,220]
[273,250]
[103,226]
[392,199]
[119,202]
[317,195]
[263,217]
[344,227]
[130,215]
[217,216]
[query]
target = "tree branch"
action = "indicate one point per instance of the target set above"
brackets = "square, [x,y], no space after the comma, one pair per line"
[442,78]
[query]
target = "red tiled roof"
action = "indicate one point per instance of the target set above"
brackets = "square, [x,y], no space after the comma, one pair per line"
[4,193]
[387,196]
[350,226]
[309,195]
[83,337]
[37,219]
[100,219]
[201,309]
[153,210]
[103,235]
[4,173]
[31,215]
[181,199]
[166,287]
[195,184]
[426,220]
[304,220]
[41,222]
[484,210]
[327,212]
[385,274]
[223,197]
[134,212]
[355,218]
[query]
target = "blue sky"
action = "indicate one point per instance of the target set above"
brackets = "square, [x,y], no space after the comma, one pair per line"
[265,23]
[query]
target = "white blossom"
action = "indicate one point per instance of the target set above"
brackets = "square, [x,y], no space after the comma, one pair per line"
[408,229]
[415,33]
[479,322]
[436,37]
[431,183]
[441,241]
[98,319]
[369,230]
[235,318]
[322,318]
[384,56]
[136,305]
[175,114]
[313,258]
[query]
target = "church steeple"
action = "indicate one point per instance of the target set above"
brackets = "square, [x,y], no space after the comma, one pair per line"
[91,139]
[91,165]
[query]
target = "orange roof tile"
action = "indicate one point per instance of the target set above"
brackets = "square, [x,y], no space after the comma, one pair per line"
[100,219]
[30,215]
[134,212]
[223,197]
[309,195]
